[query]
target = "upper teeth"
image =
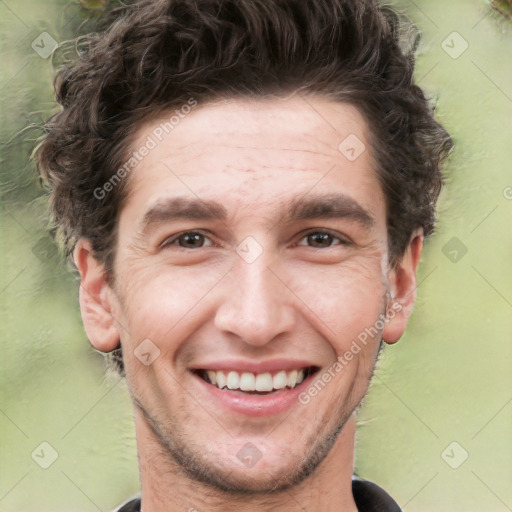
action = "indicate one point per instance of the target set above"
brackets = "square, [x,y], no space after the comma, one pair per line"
[248,381]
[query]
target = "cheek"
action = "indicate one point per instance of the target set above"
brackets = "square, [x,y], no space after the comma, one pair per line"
[343,301]
[161,302]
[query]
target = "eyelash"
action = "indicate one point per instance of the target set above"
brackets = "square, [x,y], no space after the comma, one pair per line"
[172,239]
[343,240]
[175,238]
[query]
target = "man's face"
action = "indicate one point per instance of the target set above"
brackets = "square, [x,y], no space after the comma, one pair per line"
[250,243]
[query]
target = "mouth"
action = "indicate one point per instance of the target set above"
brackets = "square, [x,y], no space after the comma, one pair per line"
[248,383]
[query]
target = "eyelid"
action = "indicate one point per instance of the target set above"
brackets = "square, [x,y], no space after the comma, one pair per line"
[171,239]
[344,240]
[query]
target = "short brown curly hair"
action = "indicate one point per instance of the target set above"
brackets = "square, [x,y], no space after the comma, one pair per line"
[154,55]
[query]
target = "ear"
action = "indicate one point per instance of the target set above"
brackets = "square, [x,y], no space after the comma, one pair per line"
[403,283]
[95,298]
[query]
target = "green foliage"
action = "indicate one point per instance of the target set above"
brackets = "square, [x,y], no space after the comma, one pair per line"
[448,379]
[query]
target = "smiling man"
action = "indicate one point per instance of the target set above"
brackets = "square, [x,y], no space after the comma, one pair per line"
[245,187]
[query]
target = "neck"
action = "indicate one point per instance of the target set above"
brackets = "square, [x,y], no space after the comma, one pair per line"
[165,487]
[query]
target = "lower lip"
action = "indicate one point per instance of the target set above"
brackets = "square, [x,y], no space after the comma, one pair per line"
[254,405]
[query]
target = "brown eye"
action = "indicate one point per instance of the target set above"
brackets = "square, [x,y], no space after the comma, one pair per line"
[191,240]
[188,240]
[323,240]
[320,240]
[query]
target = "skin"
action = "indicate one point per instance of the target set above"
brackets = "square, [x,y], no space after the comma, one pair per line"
[306,297]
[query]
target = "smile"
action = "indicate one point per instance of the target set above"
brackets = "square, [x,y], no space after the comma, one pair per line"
[256,383]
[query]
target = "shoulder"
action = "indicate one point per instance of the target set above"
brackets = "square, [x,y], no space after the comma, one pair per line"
[132,505]
[369,497]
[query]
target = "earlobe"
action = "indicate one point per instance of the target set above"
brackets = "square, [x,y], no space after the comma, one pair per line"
[95,299]
[403,283]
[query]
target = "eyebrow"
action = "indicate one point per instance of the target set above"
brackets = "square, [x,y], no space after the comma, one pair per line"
[335,206]
[183,208]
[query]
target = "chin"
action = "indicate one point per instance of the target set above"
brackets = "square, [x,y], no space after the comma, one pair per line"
[277,467]
[240,480]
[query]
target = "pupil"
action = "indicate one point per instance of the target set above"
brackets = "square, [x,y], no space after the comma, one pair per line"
[321,239]
[191,238]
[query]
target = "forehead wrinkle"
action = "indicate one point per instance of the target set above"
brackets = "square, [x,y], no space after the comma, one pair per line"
[192,149]
[248,164]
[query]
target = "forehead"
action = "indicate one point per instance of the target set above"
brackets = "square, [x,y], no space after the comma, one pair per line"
[259,149]
[294,124]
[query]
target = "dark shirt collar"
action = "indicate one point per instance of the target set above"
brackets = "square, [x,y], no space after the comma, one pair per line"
[369,497]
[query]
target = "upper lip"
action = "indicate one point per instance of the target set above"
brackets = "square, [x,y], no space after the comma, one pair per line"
[244,365]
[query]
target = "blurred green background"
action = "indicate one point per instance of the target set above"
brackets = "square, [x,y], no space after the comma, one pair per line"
[436,428]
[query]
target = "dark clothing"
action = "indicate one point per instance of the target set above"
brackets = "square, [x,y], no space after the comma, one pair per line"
[368,496]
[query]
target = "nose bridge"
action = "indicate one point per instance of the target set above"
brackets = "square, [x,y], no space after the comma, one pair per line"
[256,305]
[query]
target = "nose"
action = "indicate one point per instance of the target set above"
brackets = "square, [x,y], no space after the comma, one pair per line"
[256,304]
